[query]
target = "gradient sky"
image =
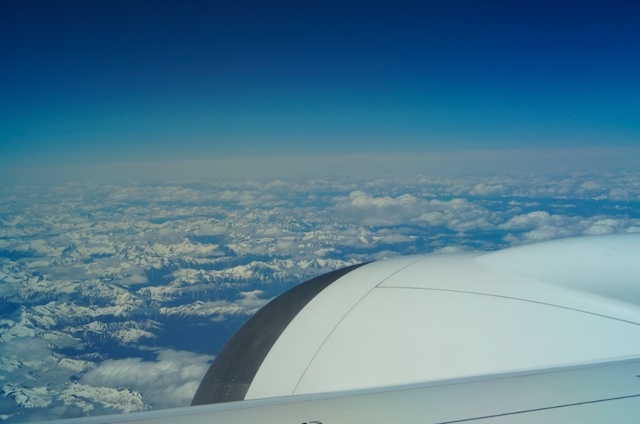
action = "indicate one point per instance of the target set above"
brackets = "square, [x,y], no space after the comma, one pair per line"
[110,81]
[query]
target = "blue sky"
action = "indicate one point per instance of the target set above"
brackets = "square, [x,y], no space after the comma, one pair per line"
[133,81]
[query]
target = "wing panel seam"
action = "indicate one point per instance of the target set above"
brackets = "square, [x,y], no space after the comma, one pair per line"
[526,411]
[512,298]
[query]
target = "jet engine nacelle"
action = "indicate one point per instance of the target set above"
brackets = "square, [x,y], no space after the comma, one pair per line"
[437,317]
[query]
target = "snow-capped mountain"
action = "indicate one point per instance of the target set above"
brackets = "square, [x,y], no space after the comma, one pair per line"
[108,292]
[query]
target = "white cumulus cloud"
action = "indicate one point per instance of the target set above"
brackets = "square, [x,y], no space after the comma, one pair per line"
[457,214]
[169,382]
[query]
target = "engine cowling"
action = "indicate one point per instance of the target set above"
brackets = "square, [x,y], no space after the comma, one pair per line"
[438,316]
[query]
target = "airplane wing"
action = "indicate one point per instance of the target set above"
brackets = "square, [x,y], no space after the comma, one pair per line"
[543,332]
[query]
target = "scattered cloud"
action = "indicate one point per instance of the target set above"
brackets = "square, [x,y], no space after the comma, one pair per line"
[457,214]
[541,225]
[168,382]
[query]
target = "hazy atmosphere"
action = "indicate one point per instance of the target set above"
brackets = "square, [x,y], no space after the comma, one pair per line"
[168,167]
